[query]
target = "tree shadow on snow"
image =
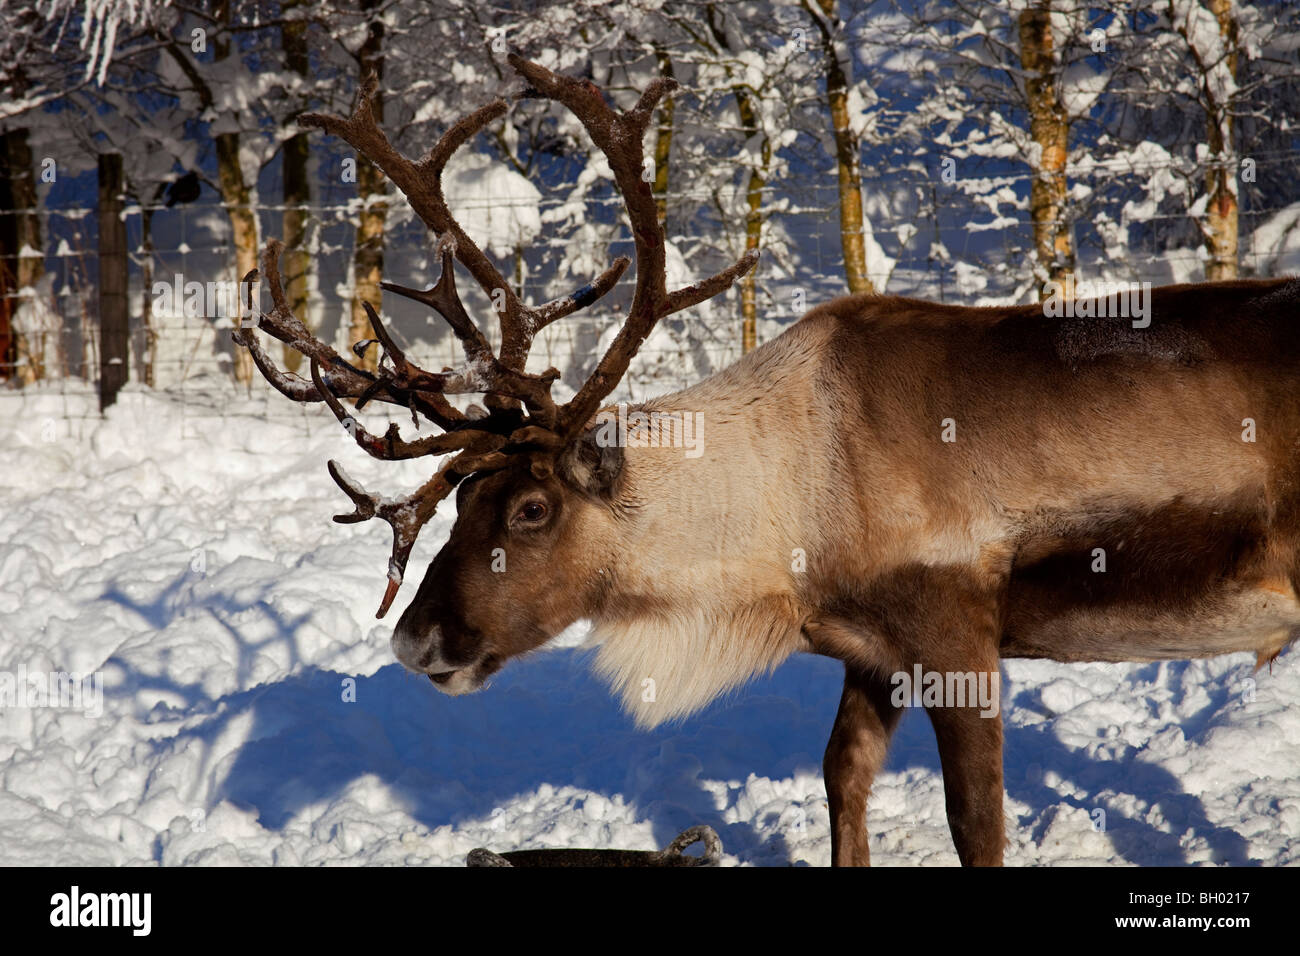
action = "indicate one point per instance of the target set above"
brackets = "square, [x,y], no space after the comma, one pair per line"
[546,720]
[1029,753]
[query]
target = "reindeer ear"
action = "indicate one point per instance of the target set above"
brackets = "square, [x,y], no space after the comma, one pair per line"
[592,465]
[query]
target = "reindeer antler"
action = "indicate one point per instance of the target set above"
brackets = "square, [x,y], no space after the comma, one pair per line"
[620,136]
[482,442]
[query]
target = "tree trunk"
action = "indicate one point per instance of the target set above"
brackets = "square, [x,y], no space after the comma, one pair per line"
[236,195]
[753,221]
[663,141]
[114,315]
[847,153]
[19,230]
[1220,226]
[150,355]
[297,195]
[749,121]
[1049,127]
[368,250]
[243,224]
[9,247]
[235,191]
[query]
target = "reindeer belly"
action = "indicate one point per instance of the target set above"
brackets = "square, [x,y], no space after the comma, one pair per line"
[1235,618]
[1170,583]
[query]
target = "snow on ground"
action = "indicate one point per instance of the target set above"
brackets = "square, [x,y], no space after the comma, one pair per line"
[186,554]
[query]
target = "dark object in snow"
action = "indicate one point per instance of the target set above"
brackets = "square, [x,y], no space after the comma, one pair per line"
[670,855]
[185,189]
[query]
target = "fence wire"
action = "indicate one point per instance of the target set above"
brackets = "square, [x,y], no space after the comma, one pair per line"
[935,254]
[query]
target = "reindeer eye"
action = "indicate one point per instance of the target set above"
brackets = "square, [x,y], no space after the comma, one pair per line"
[532,511]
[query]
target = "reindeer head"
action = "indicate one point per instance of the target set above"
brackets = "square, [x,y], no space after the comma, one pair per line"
[536,494]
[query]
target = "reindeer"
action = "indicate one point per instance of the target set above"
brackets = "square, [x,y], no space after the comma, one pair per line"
[893,483]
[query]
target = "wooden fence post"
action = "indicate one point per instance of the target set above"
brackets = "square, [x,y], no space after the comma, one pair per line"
[114,332]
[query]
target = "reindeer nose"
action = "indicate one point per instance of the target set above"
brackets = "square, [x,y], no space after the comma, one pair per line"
[416,647]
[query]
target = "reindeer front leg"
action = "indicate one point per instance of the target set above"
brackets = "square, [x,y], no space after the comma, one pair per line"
[856,751]
[970,751]
[946,623]
[957,641]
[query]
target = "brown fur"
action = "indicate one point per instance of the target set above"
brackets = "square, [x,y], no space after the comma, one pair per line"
[1071,435]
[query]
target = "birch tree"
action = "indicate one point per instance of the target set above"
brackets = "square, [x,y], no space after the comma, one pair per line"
[210,78]
[1227,58]
[1015,82]
[22,339]
[831,31]
[1049,132]
[372,192]
[296,190]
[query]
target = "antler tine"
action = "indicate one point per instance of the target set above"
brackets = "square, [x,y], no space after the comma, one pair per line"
[443,297]
[280,321]
[365,504]
[640,321]
[406,516]
[640,115]
[344,379]
[288,385]
[406,375]
[391,447]
[513,313]
[407,385]
[690,295]
[421,183]
[619,136]
[485,373]
[544,315]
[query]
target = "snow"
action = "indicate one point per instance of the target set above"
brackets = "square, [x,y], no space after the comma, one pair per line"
[253,712]
[493,203]
[1275,243]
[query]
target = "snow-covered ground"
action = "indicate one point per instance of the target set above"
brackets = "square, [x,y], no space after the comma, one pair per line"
[187,556]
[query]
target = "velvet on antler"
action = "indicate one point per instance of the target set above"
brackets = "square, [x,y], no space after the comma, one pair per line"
[521,417]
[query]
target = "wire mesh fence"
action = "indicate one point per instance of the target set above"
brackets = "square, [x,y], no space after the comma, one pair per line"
[182,281]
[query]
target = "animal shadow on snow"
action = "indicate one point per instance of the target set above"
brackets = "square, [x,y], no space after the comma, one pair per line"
[546,720]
